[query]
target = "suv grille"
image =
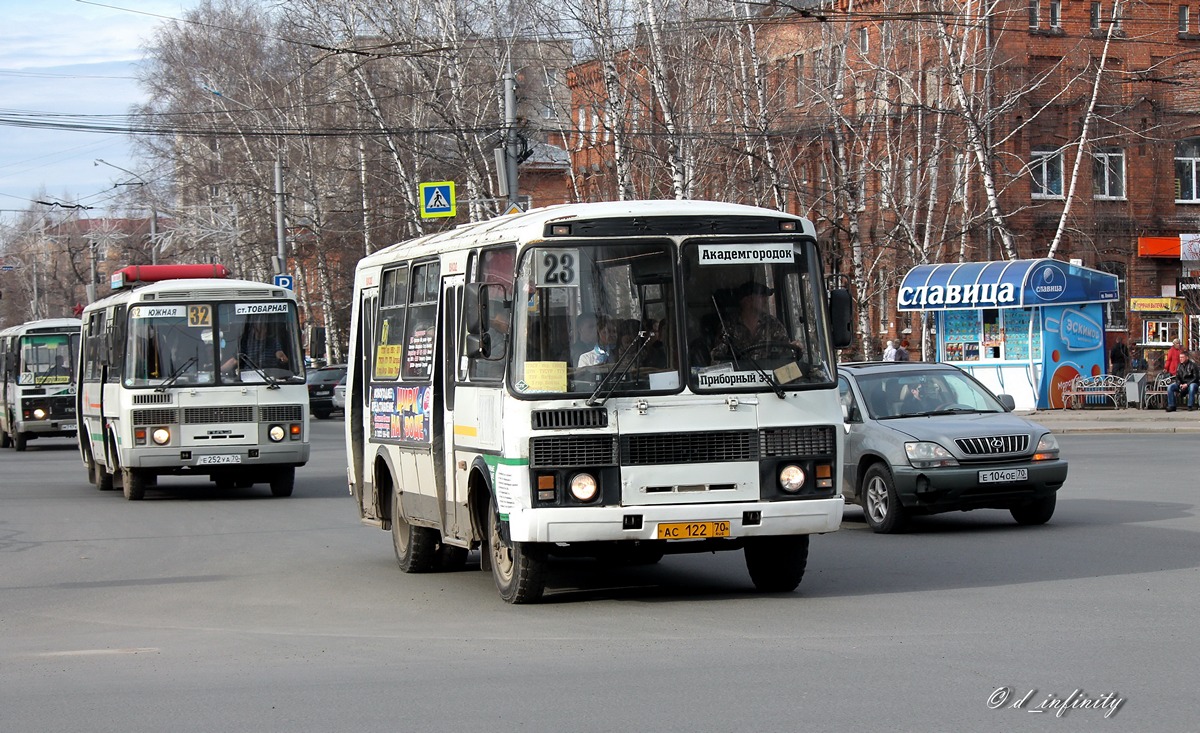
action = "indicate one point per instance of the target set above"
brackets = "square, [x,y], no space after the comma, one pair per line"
[993,445]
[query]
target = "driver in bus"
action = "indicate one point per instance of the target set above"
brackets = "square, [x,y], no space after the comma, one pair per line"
[261,348]
[753,324]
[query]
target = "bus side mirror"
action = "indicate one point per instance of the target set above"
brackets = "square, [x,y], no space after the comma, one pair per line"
[841,318]
[477,299]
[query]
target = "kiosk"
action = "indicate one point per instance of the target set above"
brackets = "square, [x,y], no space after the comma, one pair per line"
[1021,327]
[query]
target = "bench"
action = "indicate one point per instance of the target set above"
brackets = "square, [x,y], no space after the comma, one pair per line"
[1098,390]
[1156,391]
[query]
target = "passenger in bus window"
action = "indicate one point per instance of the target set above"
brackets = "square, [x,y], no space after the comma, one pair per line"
[602,351]
[585,336]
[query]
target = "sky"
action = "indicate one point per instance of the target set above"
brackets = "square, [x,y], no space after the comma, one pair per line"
[77,58]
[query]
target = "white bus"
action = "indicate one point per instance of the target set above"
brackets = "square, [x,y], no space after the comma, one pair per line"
[559,382]
[38,361]
[185,372]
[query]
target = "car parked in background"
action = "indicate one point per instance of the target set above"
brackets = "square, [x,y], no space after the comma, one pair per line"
[320,389]
[928,438]
[339,395]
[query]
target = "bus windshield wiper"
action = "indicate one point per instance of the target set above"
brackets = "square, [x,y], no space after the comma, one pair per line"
[162,387]
[272,383]
[770,379]
[618,370]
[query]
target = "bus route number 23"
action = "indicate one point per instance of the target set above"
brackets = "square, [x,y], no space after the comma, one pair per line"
[557,268]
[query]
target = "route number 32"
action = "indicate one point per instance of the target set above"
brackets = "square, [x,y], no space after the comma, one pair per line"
[557,268]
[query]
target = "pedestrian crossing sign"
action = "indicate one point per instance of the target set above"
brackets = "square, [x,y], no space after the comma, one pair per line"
[437,199]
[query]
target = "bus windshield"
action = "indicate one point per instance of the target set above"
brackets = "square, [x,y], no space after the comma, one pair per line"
[623,317]
[212,343]
[48,358]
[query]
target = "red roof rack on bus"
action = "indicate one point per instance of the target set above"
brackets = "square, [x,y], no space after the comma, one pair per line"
[128,276]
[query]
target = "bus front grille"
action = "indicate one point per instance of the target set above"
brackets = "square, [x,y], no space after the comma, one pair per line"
[159,416]
[153,398]
[209,415]
[817,440]
[573,450]
[714,446]
[596,417]
[281,413]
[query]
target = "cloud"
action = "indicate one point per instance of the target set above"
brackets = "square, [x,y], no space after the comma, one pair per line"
[55,33]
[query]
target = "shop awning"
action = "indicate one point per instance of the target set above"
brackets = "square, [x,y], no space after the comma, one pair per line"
[1003,284]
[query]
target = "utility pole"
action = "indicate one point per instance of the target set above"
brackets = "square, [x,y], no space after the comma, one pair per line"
[508,157]
[280,234]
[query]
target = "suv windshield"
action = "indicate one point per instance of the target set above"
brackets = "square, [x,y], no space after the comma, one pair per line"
[921,393]
[604,318]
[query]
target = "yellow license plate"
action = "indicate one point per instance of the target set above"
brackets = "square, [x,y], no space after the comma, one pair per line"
[692,530]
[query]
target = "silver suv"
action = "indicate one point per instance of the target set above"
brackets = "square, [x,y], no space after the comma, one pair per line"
[928,438]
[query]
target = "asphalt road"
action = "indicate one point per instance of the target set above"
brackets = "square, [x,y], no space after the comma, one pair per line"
[200,611]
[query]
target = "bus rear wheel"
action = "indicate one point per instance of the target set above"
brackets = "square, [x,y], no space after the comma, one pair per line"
[777,564]
[19,441]
[5,441]
[519,568]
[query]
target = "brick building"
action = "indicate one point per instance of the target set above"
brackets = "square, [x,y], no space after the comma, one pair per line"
[1042,128]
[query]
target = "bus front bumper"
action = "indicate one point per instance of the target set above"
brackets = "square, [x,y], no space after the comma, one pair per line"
[207,460]
[746,519]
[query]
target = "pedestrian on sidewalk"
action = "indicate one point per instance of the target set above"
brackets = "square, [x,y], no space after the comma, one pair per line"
[1187,379]
[889,353]
[1118,357]
[1171,363]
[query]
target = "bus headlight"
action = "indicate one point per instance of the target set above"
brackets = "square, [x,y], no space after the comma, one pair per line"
[791,478]
[39,413]
[584,487]
[161,436]
[276,433]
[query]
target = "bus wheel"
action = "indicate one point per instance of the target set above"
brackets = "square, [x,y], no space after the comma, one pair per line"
[283,481]
[18,439]
[5,441]
[777,564]
[104,479]
[416,547]
[133,481]
[519,568]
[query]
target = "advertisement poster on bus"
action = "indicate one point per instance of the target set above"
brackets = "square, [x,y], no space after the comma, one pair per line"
[401,413]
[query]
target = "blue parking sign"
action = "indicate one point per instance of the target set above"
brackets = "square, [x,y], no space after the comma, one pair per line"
[285,281]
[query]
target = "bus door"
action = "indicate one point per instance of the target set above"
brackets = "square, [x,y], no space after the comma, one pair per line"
[453,499]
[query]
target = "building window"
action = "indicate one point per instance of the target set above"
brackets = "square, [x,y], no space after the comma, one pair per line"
[1035,9]
[1183,19]
[1095,16]
[800,79]
[1114,310]
[1055,13]
[1187,165]
[1108,174]
[1046,167]
[864,41]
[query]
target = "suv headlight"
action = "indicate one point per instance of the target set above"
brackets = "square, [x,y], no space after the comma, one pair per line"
[928,455]
[1047,448]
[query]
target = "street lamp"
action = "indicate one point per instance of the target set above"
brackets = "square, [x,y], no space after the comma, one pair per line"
[153,210]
